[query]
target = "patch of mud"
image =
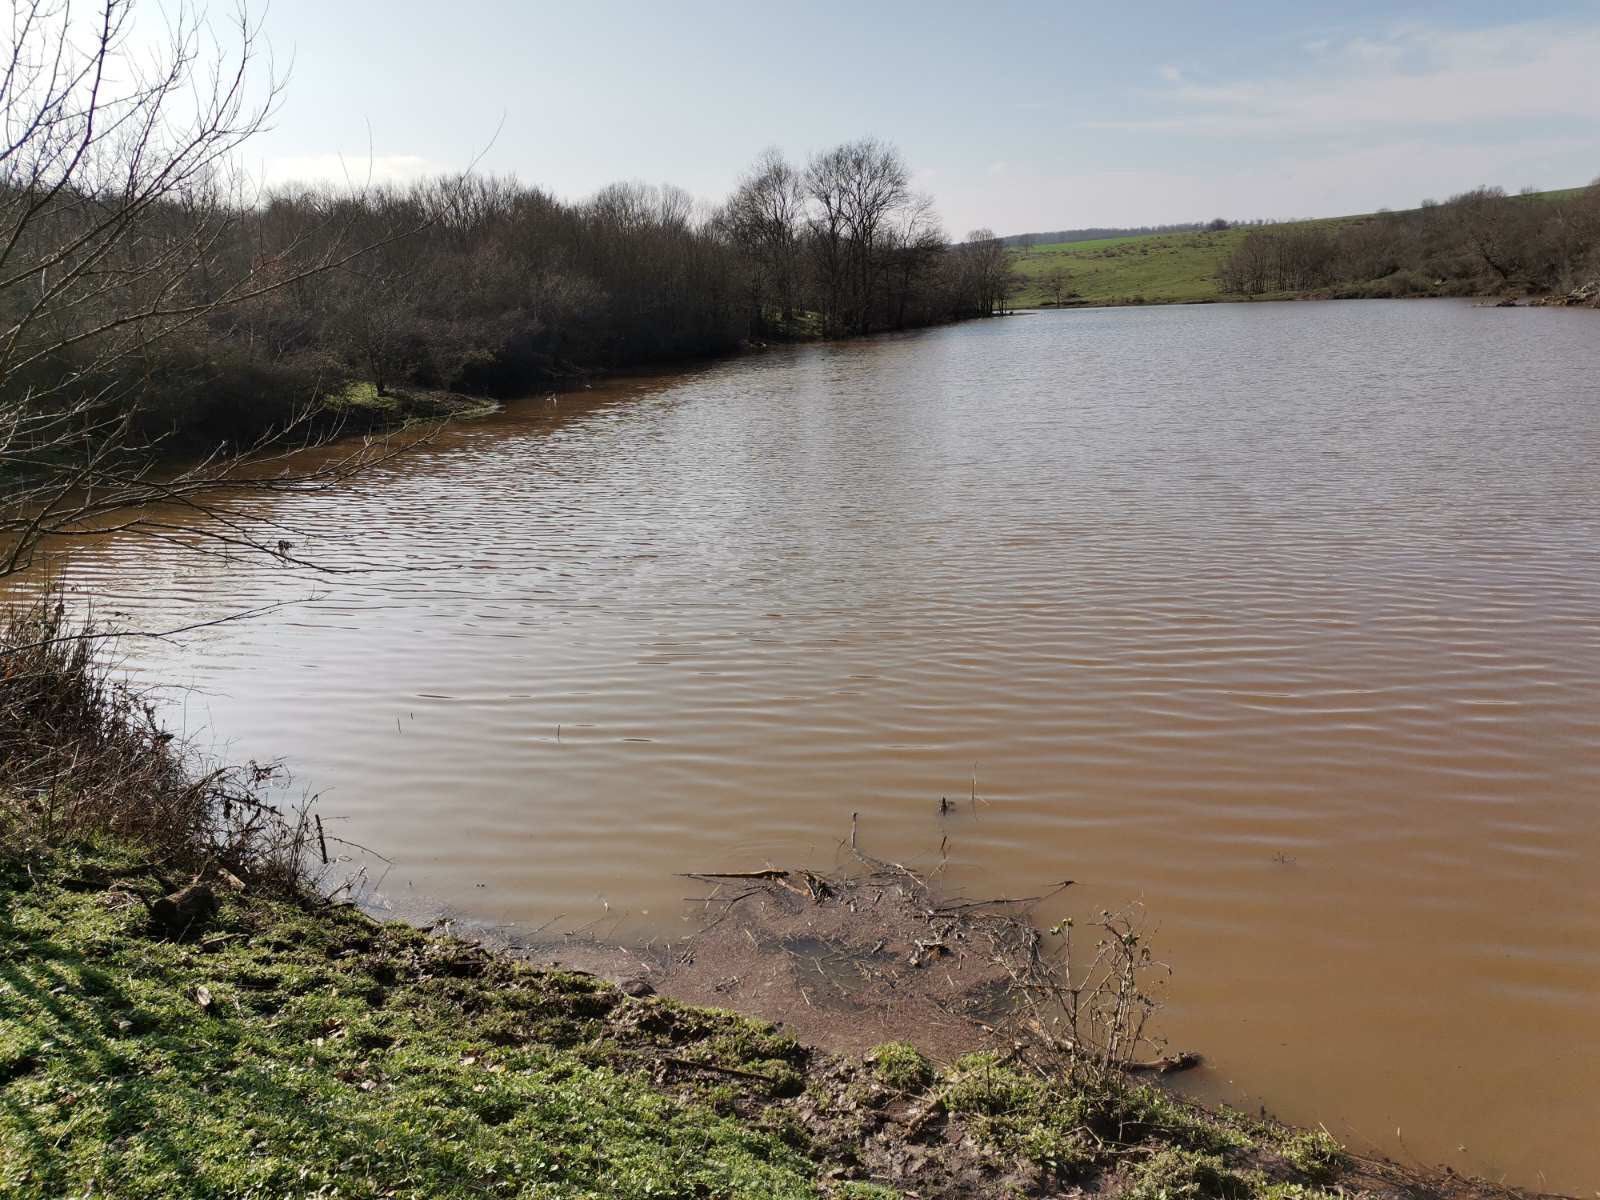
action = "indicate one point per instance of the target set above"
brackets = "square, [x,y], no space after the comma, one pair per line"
[844,963]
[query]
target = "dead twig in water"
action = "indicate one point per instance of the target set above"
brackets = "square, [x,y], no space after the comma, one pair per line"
[1004,900]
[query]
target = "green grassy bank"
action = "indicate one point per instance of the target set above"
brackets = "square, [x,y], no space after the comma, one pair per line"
[279,1046]
[289,1051]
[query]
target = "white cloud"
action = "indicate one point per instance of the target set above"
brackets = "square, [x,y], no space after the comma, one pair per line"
[348,170]
[1170,73]
[1410,76]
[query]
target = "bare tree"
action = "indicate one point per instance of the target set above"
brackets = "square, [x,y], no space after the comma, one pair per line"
[1058,285]
[1490,223]
[119,215]
[856,190]
[765,216]
[913,247]
[987,265]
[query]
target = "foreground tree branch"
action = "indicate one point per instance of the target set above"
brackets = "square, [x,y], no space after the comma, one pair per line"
[124,223]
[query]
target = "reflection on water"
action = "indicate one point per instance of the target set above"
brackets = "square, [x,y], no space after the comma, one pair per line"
[1282,619]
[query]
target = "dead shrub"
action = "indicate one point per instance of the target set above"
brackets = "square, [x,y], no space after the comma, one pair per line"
[82,755]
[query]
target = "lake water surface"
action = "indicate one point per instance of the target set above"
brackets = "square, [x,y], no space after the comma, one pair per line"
[1283,620]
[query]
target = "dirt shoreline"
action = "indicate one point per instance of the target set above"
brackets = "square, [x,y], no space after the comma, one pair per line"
[283,1043]
[850,961]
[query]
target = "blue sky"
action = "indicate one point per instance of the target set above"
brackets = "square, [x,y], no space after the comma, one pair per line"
[1014,115]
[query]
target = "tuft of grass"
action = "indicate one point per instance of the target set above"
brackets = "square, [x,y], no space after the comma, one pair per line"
[1314,1153]
[901,1065]
[1296,1191]
[1045,1121]
[1074,1128]
[1177,1174]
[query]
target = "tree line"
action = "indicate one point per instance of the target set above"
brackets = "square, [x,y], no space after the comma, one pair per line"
[1481,241]
[1052,237]
[149,295]
[138,272]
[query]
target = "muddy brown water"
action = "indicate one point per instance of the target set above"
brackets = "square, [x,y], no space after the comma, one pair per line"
[1281,620]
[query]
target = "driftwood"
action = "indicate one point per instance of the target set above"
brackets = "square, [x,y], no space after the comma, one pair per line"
[1168,1064]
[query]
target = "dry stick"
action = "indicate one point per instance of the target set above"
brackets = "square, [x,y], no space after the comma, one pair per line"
[705,1066]
[322,842]
[726,912]
[950,908]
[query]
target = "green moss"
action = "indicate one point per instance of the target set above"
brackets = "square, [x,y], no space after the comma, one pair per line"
[866,1191]
[1177,1174]
[901,1065]
[361,394]
[291,1080]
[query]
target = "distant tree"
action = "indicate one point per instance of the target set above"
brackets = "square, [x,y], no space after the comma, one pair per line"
[1489,224]
[766,216]
[1057,285]
[987,264]
[856,190]
[914,246]
[1011,281]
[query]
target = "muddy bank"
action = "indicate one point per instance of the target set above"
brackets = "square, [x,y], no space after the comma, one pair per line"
[287,1047]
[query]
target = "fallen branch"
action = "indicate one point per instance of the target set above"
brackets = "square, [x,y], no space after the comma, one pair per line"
[720,1070]
[1169,1064]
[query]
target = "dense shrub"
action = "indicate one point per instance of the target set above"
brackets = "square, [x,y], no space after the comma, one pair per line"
[1480,241]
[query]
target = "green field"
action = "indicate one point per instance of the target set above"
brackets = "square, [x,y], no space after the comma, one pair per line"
[1151,268]
[1145,269]
[1154,268]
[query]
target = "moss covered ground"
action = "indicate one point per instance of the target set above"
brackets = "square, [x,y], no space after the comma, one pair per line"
[282,1047]
[284,1051]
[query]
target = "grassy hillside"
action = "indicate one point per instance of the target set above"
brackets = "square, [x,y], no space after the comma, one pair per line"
[1162,268]
[1152,268]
